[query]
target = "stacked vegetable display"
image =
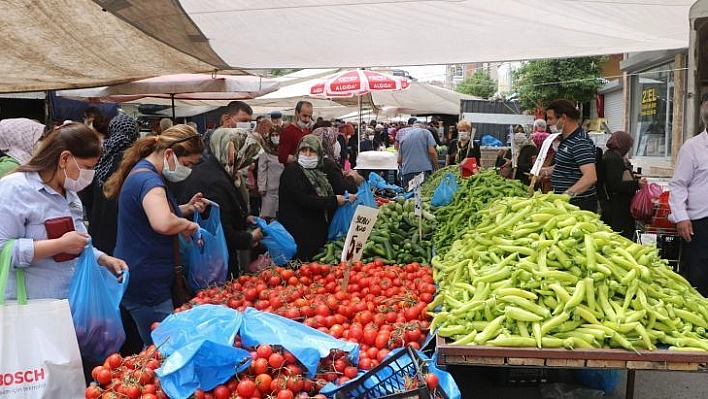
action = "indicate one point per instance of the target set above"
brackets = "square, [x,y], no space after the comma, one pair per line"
[475,193]
[540,272]
[395,237]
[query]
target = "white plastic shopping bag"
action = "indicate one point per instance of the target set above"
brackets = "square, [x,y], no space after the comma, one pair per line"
[39,353]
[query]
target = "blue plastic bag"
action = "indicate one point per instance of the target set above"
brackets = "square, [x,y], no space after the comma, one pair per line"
[305,343]
[280,244]
[342,219]
[490,141]
[445,191]
[199,343]
[603,379]
[339,225]
[214,323]
[94,297]
[365,196]
[376,181]
[207,253]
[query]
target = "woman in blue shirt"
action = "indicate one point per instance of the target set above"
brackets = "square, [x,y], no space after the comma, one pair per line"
[149,218]
[45,188]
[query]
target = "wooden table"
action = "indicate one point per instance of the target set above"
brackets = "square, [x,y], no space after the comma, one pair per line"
[579,358]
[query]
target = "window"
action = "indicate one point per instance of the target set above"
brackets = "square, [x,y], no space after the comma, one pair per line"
[652,111]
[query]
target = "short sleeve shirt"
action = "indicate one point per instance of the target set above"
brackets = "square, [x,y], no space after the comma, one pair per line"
[149,254]
[574,151]
[414,151]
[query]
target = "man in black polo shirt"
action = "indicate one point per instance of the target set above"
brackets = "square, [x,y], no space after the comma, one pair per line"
[574,170]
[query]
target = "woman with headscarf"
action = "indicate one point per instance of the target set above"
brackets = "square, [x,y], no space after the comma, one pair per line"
[525,157]
[620,185]
[269,171]
[217,177]
[307,200]
[330,164]
[18,137]
[102,212]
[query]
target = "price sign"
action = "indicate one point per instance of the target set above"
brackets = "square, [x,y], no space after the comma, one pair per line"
[543,153]
[416,182]
[359,231]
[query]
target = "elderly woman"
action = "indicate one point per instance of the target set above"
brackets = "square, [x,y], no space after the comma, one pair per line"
[307,200]
[340,182]
[620,185]
[269,171]
[18,137]
[215,177]
[463,146]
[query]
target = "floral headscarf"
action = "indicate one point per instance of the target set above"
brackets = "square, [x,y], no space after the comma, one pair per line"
[248,146]
[316,176]
[538,138]
[328,137]
[122,133]
[18,137]
[620,142]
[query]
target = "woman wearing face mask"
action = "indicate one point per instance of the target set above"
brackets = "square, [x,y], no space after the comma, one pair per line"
[464,146]
[370,143]
[340,182]
[149,218]
[215,177]
[45,188]
[18,136]
[269,171]
[307,200]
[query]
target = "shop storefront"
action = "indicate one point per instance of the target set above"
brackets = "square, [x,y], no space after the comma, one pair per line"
[652,98]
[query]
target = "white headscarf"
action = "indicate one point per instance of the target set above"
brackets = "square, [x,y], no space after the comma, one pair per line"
[18,137]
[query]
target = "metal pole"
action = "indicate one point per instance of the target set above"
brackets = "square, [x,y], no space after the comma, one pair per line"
[172,98]
[358,141]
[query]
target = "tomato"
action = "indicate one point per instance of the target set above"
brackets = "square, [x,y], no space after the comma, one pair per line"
[292,370]
[263,382]
[104,376]
[431,380]
[149,388]
[382,355]
[259,366]
[221,392]
[276,360]
[369,336]
[148,396]
[133,392]
[382,339]
[285,394]
[114,361]
[246,387]
[295,383]
[92,392]
[350,371]
[264,351]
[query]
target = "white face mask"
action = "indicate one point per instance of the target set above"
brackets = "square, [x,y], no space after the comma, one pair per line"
[370,137]
[337,149]
[180,173]
[464,136]
[302,124]
[307,161]
[275,140]
[85,178]
[554,129]
[244,125]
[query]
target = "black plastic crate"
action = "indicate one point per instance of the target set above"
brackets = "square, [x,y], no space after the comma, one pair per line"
[400,376]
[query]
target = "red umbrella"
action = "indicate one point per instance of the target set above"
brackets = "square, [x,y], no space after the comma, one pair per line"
[357,83]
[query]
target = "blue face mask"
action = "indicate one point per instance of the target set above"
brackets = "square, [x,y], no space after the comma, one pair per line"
[180,173]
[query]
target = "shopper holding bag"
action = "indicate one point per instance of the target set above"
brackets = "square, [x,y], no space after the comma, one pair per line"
[149,219]
[42,234]
[620,184]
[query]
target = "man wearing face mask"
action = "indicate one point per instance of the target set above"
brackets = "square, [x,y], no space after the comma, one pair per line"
[215,177]
[574,171]
[238,114]
[294,131]
[689,204]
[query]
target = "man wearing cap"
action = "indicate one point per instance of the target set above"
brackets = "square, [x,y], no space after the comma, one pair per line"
[417,154]
[689,204]
[294,131]
[277,118]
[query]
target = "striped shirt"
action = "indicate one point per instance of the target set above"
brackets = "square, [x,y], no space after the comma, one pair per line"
[574,151]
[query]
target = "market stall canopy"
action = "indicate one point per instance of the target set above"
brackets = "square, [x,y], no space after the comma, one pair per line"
[179,87]
[351,33]
[58,44]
